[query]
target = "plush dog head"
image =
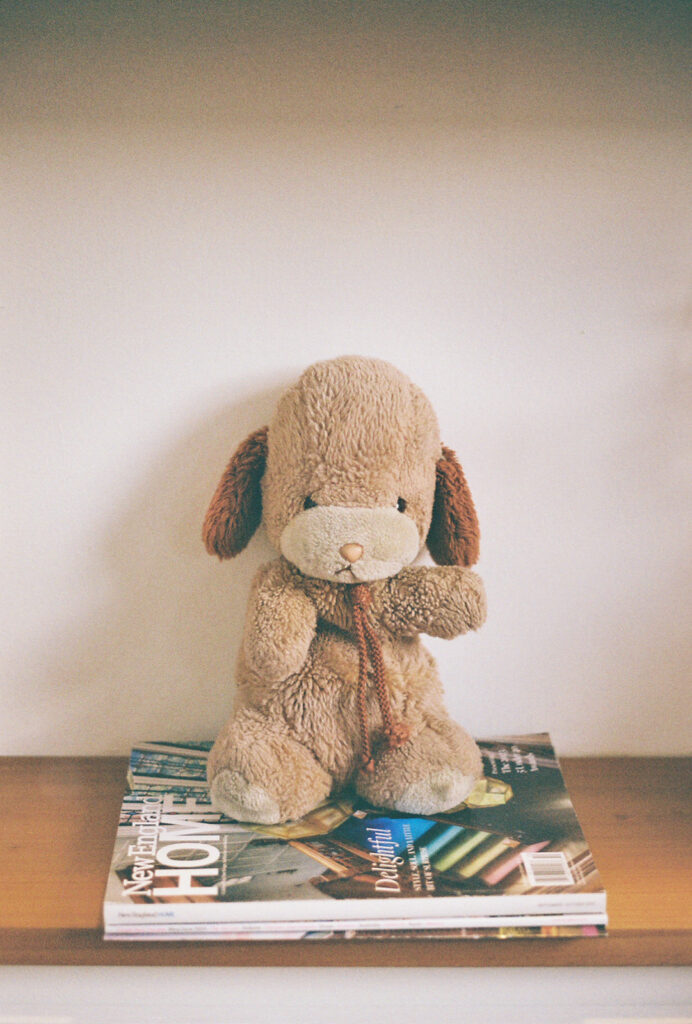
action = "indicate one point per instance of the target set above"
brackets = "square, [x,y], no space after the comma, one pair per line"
[350,478]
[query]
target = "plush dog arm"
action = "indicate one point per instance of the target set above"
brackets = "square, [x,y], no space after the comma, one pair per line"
[443,601]
[279,626]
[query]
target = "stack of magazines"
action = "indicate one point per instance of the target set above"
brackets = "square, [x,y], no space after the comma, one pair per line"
[511,861]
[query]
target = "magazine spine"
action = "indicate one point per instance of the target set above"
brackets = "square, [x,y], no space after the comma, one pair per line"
[406,924]
[445,907]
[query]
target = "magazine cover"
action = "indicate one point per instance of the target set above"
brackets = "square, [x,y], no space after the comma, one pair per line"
[513,850]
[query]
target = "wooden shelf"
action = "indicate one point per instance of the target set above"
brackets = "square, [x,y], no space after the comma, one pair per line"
[59,817]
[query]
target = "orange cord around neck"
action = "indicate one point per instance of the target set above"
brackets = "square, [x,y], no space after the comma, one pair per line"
[369,646]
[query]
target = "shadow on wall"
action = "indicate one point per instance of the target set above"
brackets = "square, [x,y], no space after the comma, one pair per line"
[155,658]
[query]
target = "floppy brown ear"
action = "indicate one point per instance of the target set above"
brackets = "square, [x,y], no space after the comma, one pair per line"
[454,535]
[236,508]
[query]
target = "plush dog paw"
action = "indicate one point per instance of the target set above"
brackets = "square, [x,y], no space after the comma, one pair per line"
[243,800]
[461,603]
[441,600]
[440,791]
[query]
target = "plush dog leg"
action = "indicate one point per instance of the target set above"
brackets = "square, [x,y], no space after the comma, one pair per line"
[434,771]
[245,801]
[260,774]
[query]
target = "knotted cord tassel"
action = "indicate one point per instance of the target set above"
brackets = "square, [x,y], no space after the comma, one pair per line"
[368,763]
[369,645]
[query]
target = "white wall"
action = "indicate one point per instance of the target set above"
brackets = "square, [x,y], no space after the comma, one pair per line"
[197,203]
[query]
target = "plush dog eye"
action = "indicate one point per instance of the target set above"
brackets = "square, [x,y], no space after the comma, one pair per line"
[309,503]
[401,504]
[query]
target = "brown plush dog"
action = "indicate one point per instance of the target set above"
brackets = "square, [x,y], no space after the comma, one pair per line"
[334,685]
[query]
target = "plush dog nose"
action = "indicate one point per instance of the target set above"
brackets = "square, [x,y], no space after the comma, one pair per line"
[351,552]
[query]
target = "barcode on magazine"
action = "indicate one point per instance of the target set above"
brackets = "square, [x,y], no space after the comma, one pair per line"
[547,868]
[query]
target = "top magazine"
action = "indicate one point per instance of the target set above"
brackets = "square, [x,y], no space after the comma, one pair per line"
[513,848]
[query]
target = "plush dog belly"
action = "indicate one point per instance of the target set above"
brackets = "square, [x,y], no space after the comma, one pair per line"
[319,703]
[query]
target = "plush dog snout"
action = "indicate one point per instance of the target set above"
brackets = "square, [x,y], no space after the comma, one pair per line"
[318,541]
[351,552]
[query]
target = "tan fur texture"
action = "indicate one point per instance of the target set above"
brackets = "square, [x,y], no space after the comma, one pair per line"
[357,439]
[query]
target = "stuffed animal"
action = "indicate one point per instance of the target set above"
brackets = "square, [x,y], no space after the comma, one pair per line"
[334,686]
